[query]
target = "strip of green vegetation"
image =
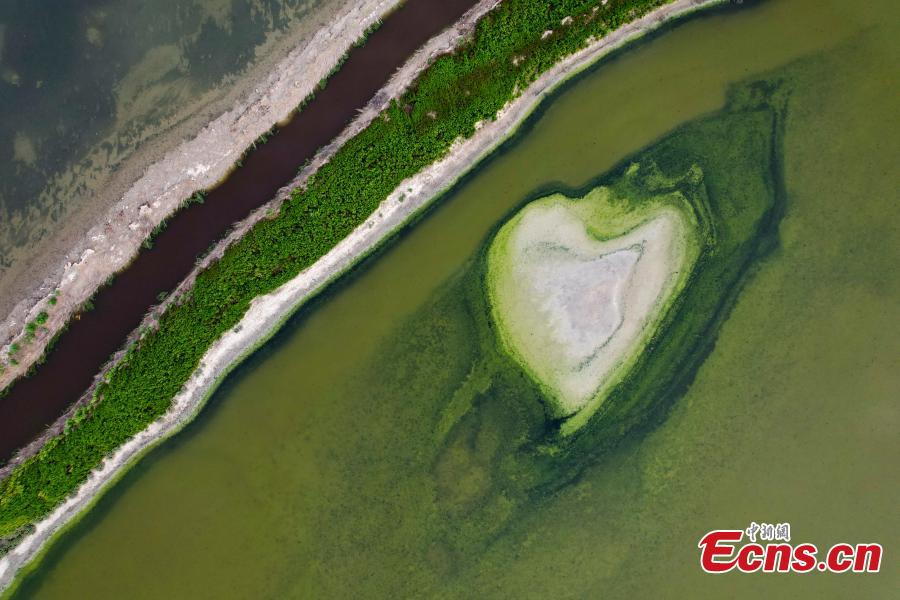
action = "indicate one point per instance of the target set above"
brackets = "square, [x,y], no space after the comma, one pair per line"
[449,99]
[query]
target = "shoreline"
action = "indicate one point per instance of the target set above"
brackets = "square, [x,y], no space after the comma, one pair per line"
[269,96]
[268,312]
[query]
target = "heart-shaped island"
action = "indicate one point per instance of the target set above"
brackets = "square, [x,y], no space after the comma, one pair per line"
[579,286]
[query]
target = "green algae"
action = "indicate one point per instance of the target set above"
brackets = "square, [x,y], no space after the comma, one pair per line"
[729,196]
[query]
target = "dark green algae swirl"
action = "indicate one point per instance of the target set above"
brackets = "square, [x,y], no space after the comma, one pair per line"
[488,446]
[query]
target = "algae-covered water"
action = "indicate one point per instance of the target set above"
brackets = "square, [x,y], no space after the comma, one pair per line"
[382,446]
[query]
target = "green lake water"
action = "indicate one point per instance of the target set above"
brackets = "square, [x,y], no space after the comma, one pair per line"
[381,447]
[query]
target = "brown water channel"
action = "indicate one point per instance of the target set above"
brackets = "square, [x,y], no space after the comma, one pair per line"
[35,402]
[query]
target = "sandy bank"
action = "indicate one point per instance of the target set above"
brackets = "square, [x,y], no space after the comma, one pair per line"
[268,312]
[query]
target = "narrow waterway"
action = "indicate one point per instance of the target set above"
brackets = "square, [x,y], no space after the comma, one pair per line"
[34,402]
[320,469]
